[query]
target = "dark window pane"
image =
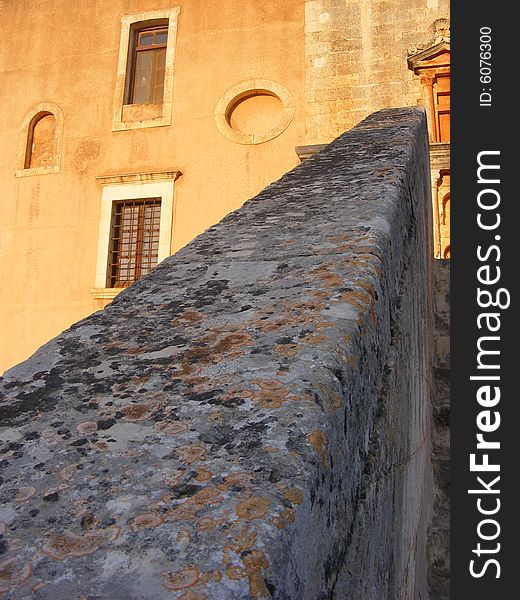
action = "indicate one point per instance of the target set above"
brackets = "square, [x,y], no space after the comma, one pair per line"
[146,38]
[158,75]
[161,37]
[143,77]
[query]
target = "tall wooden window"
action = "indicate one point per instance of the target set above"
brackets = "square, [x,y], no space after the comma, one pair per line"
[147,66]
[134,240]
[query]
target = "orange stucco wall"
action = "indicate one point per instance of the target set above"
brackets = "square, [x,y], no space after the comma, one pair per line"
[67,53]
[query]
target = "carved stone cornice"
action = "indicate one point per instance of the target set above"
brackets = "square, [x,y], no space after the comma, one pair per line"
[138,177]
[441,35]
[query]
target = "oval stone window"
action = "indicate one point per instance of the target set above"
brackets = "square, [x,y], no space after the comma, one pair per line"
[254,111]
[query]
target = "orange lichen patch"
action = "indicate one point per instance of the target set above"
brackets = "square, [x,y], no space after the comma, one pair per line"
[163,502]
[101,446]
[13,574]
[217,416]
[278,521]
[216,576]
[358,298]
[206,524]
[191,453]
[138,412]
[86,428]
[183,512]
[203,474]
[318,441]
[272,393]
[180,580]
[227,328]
[175,478]
[293,495]
[173,428]
[190,316]
[188,510]
[54,490]
[242,479]
[206,497]
[271,449]
[244,540]
[286,350]
[183,534]
[146,521]
[199,355]
[192,595]
[119,387]
[254,563]
[253,508]
[332,400]
[288,515]
[79,507]
[135,350]
[197,380]
[230,342]
[314,338]
[322,294]
[185,370]
[325,324]
[24,494]
[330,280]
[67,472]
[234,572]
[268,325]
[60,546]
[38,586]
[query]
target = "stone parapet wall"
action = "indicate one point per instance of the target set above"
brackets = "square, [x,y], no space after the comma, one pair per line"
[252,419]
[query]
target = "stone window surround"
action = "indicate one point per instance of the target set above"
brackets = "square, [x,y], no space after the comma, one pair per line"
[119,122]
[128,187]
[30,120]
[247,88]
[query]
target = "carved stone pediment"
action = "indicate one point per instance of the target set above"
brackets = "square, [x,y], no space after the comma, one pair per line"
[435,53]
[433,56]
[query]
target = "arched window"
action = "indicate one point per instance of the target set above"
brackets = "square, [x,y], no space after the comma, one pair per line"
[41,141]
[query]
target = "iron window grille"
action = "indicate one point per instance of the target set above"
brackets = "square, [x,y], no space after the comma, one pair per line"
[134,240]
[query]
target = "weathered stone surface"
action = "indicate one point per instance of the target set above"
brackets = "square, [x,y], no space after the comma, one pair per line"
[439,533]
[252,419]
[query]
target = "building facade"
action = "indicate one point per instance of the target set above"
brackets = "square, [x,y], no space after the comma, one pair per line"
[131,126]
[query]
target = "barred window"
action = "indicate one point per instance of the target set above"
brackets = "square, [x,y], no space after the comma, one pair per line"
[134,240]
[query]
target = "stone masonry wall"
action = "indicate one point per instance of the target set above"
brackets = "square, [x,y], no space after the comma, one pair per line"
[250,420]
[356,59]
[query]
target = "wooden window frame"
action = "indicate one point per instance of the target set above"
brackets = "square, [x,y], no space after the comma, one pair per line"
[134,49]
